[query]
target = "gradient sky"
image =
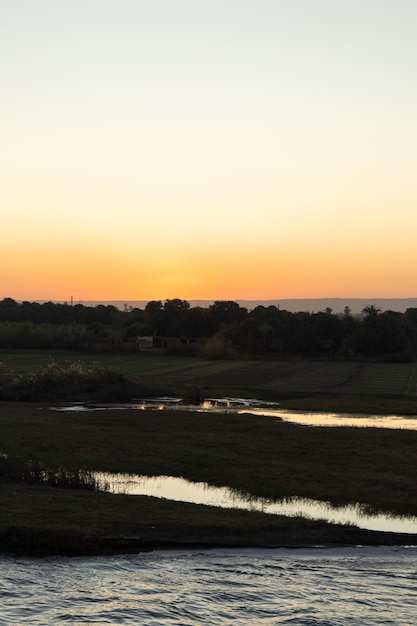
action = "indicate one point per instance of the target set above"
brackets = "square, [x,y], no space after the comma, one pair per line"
[208,149]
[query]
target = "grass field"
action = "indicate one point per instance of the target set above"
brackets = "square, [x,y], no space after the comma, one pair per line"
[333,385]
[261,456]
[258,455]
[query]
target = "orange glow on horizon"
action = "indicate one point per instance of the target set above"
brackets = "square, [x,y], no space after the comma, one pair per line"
[139,161]
[230,273]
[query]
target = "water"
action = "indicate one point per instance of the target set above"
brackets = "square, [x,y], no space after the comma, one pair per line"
[180,489]
[258,407]
[316,418]
[333,587]
[246,587]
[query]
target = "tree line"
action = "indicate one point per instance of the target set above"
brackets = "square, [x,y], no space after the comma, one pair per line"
[223,330]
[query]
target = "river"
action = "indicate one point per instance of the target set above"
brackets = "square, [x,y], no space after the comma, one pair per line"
[326,587]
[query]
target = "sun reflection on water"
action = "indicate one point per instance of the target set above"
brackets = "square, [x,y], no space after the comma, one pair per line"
[179,489]
[251,406]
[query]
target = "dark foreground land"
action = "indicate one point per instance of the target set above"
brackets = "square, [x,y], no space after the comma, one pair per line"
[259,455]
[44,521]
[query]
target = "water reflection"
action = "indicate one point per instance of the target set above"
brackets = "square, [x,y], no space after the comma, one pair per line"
[312,418]
[179,489]
[256,407]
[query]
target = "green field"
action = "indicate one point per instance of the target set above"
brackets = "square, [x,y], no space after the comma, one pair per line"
[258,455]
[333,385]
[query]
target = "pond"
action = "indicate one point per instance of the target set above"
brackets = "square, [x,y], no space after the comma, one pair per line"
[179,489]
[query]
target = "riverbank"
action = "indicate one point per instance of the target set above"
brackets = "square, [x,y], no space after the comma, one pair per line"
[44,521]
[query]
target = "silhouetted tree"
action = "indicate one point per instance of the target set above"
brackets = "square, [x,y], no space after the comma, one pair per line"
[370,311]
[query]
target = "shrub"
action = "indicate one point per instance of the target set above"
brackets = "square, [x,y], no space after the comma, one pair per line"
[74,381]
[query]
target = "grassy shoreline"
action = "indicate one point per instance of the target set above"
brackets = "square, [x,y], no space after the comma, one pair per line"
[262,456]
[103,525]
[64,523]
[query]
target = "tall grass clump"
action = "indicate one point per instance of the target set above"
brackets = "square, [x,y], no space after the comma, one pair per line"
[13,470]
[73,381]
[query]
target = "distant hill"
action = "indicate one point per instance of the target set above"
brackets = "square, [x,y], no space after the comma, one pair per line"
[294,305]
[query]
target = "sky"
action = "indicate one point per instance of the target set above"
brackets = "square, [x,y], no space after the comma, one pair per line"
[208,149]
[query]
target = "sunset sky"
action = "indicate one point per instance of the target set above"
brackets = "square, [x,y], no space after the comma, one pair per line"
[208,149]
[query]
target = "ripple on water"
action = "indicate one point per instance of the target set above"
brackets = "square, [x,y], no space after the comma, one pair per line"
[351,587]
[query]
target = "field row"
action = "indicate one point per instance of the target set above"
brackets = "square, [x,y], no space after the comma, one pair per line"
[274,377]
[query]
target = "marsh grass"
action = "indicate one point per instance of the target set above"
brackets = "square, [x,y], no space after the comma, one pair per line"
[261,456]
[36,472]
[46,520]
[258,455]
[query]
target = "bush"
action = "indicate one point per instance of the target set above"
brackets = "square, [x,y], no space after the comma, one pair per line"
[75,381]
[217,347]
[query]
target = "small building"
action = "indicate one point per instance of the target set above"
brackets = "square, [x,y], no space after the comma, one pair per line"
[144,344]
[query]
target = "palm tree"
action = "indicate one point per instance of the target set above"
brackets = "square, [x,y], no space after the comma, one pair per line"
[371,311]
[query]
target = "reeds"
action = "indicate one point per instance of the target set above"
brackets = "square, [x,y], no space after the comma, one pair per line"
[13,470]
